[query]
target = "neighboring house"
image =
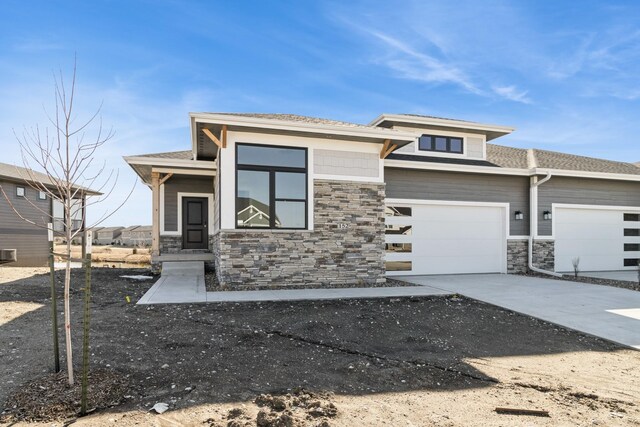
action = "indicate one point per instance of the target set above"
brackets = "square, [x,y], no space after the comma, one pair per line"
[136,235]
[30,241]
[107,235]
[279,199]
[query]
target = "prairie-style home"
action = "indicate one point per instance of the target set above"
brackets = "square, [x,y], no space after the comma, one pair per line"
[281,199]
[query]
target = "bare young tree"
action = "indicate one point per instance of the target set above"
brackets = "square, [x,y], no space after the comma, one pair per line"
[65,155]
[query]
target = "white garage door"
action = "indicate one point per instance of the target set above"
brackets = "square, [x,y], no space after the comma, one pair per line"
[447,239]
[603,239]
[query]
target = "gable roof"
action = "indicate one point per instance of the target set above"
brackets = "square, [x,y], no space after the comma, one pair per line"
[296,118]
[18,173]
[177,155]
[562,161]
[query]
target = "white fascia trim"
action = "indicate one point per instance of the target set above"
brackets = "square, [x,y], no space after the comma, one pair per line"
[440,122]
[377,133]
[183,171]
[596,207]
[179,163]
[194,137]
[404,164]
[444,202]
[407,164]
[584,174]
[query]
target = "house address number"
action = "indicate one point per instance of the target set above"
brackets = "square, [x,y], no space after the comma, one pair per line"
[343,225]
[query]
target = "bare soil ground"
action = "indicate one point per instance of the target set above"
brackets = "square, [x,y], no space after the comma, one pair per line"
[111,254]
[441,361]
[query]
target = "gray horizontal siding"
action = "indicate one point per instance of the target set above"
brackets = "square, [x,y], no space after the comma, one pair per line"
[462,187]
[32,249]
[182,184]
[30,241]
[583,191]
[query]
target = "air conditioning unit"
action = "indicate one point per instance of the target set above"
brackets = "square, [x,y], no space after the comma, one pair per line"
[8,255]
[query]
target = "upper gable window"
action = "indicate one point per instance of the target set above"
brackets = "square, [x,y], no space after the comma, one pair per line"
[442,144]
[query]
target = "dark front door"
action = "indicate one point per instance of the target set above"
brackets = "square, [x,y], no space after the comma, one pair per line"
[194,223]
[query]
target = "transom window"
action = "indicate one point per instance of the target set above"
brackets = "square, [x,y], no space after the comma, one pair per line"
[271,187]
[443,144]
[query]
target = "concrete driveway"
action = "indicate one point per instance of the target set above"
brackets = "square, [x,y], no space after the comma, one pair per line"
[603,311]
[627,275]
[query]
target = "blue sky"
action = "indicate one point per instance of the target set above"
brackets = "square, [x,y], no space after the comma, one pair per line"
[566,74]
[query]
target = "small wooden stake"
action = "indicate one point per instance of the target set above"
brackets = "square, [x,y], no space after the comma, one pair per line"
[517,411]
[54,302]
[85,324]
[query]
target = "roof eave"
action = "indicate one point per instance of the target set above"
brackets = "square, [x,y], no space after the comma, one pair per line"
[318,128]
[492,130]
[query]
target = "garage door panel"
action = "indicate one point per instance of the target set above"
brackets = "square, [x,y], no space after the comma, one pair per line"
[456,239]
[595,235]
[463,265]
[452,248]
[595,231]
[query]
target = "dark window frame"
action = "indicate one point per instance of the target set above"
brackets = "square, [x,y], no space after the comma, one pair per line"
[42,195]
[24,191]
[433,144]
[272,170]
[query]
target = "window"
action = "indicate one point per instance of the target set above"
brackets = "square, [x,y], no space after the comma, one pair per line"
[631,217]
[632,232]
[631,247]
[402,230]
[42,195]
[20,191]
[271,187]
[398,247]
[631,262]
[397,211]
[443,144]
[398,265]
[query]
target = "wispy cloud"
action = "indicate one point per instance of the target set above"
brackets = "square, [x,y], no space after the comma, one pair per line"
[415,65]
[512,93]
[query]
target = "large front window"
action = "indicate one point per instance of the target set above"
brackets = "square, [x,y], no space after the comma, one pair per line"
[271,187]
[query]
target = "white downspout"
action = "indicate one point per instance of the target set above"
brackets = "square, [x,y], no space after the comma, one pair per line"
[533,221]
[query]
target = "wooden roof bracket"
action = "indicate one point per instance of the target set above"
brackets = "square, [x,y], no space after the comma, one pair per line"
[218,142]
[387,148]
[165,178]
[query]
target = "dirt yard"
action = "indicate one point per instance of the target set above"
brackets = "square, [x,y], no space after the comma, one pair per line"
[397,362]
[106,256]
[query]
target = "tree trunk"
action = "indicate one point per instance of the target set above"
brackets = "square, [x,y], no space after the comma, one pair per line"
[67,308]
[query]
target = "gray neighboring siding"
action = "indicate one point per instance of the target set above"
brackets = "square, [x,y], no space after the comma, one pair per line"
[584,191]
[182,184]
[29,241]
[462,187]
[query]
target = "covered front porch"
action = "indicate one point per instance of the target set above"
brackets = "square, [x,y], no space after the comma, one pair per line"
[183,205]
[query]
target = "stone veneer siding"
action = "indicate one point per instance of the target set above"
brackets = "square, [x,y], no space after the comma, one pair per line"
[517,255]
[170,244]
[544,254]
[327,256]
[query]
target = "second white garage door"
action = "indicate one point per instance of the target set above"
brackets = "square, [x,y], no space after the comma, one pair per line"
[604,239]
[455,239]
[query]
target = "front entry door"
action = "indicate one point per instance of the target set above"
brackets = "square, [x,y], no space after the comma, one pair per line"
[194,223]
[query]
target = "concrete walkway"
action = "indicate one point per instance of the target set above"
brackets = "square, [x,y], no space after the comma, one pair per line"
[604,311]
[183,282]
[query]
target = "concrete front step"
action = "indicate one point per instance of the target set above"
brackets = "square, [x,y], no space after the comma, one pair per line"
[203,256]
[183,268]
